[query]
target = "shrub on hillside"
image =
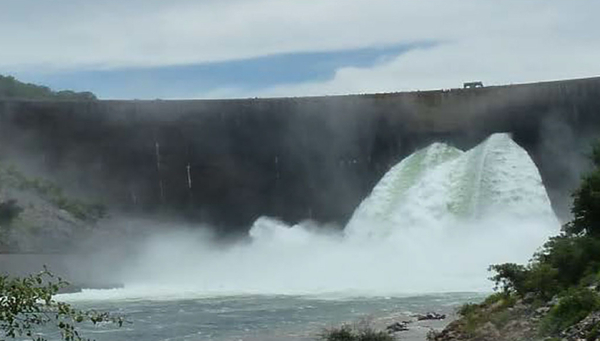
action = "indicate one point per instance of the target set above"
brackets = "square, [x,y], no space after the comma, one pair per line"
[572,307]
[53,193]
[9,211]
[567,259]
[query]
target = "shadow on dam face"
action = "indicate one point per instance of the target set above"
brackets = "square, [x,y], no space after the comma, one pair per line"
[227,162]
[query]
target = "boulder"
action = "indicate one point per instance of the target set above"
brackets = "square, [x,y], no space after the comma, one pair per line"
[431,316]
[397,327]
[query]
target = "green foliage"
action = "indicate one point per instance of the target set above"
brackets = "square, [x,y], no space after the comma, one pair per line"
[27,304]
[500,299]
[468,309]
[9,210]
[586,201]
[594,333]
[494,309]
[12,88]
[509,277]
[564,262]
[566,265]
[573,307]
[574,257]
[567,260]
[347,333]
[473,316]
[542,280]
[10,175]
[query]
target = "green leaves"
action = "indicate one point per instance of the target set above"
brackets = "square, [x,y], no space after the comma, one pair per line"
[509,277]
[50,191]
[567,264]
[26,304]
[9,210]
[573,306]
[12,88]
[586,202]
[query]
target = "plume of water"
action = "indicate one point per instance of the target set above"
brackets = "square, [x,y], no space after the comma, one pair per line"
[433,223]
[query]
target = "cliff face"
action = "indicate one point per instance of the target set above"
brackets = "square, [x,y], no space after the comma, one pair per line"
[228,162]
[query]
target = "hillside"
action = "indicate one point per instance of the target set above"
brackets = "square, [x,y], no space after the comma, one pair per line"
[36,216]
[10,87]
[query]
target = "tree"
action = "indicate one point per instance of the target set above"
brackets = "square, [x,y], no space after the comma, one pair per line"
[9,210]
[566,260]
[27,304]
[586,202]
[10,87]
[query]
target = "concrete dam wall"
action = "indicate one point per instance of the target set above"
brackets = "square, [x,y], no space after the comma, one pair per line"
[227,162]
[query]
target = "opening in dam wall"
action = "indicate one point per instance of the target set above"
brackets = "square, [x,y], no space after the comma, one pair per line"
[227,162]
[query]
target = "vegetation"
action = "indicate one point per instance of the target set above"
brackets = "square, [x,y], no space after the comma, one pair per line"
[12,88]
[10,175]
[27,306]
[495,310]
[359,333]
[9,210]
[572,308]
[564,276]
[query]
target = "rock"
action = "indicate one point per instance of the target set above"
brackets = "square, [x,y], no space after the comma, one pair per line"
[554,301]
[583,328]
[452,332]
[489,332]
[529,297]
[431,316]
[397,327]
[542,311]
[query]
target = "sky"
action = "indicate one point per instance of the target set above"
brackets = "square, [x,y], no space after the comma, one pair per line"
[149,49]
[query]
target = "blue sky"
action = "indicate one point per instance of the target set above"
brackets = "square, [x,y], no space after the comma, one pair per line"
[150,49]
[189,81]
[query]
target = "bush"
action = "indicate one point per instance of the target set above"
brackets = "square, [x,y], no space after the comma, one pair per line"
[468,309]
[565,261]
[347,333]
[572,307]
[542,280]
[501,300]
[9,211]
[566,266]
[53,193]
[510,278]
[27,304]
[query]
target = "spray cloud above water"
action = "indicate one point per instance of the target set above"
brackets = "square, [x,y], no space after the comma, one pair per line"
[433,223]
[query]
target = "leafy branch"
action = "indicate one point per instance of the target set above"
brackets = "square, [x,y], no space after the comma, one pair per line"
[26,303]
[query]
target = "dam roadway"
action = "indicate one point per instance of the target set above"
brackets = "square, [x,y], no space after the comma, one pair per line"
[227,162]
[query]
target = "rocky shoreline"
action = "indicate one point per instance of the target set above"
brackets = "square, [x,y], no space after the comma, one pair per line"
[514,321]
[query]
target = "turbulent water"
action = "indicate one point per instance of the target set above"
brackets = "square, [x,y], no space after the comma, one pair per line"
[264,318]
[432,224]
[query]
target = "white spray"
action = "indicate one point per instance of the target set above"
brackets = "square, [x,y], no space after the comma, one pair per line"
[433,223]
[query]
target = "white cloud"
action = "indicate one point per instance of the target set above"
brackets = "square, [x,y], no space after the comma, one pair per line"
[495,41]
[533,41]
[448,66]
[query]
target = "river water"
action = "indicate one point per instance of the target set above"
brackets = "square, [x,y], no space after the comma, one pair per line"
[254,318]
[433,224]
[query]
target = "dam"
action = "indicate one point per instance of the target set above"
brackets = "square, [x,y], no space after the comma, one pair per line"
[228,162]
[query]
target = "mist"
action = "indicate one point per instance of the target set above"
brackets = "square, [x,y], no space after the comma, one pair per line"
[393,245]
